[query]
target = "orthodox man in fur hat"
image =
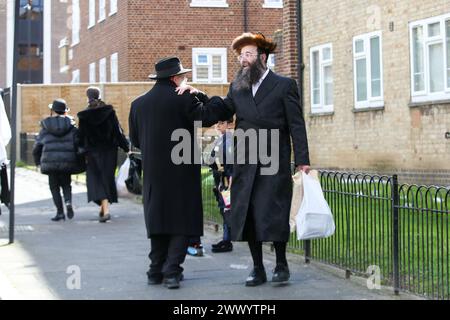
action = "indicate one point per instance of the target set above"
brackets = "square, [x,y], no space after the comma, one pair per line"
[268,105]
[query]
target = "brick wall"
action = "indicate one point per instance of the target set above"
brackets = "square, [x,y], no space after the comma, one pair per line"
[59,31]
[145,31]
[399,137]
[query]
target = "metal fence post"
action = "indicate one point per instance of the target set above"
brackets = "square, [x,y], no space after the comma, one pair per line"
[307,248]
[395,233]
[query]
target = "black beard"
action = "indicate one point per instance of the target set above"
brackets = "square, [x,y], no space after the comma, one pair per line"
[245,78]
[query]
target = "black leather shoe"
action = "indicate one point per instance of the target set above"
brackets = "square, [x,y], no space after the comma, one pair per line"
[155,278]
[216,245]
[70,212]
[105,218]
[225,246]
[173,282]
[256,277]
[59,216]
[281,274]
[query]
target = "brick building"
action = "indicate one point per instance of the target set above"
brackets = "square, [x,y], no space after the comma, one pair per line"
[114,41]
[376,84]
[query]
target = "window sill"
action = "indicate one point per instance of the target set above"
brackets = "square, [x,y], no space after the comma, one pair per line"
[272,6]
[91,26]
[209,5]
[321,114]
[112,13]
[368,109]
[64,69]
[428,103]
[101,20]
[74,44]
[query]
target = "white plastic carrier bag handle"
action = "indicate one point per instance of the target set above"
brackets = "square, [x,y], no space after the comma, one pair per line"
[314,218]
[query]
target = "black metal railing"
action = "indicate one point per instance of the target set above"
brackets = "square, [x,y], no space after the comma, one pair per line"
[400,230]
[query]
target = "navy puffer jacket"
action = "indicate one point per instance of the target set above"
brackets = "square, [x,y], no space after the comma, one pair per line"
[55,149]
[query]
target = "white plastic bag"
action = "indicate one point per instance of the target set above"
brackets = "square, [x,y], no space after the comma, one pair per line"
[314,218]
[122,190]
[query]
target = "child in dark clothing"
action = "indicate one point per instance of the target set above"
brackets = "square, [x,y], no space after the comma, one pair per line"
[55,150]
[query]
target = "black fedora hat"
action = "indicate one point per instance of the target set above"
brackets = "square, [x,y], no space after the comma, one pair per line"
[168,67]
[59,105]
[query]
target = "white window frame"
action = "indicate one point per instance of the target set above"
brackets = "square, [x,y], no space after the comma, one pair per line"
[271,61]
[92,20]
[102,76]
[75,76]
[101,10]
[426,95]
[92,72]
[64,43]
[75,22]
[209,3]
[114,61]
[273,4]
[112,7]
[209,52]
[320,107]
[371,102]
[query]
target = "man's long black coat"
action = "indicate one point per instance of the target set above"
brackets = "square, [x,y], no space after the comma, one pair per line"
[267,198]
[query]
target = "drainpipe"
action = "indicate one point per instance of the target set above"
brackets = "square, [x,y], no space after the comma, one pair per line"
[245,15]
[300,65]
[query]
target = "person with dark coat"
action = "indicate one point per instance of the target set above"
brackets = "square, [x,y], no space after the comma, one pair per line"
[100,137]
[56,152]
[260,198]
[171,188]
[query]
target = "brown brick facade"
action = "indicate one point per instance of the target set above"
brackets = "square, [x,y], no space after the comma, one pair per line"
[144,31]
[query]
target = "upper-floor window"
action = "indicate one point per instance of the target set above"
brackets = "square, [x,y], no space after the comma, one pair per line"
[101,10]
[112,7]
[91,13]
[209,65]
[368,70]
[209,3]
[430,59]
[114,67]
[75,22]
[273,4]
[321,71]
[75,76]
[102,70]
[92,73]
[64,55]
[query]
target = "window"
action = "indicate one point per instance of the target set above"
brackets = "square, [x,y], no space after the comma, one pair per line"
[271,62]
[430,59]
[114,68]
[112,7]
[273,4]
[209,3]
[209,65]
[368,70]
[75,76]
[75,22]
[64,55]
[102,70]
[321,71]
[92,72]
[91,13]
[101,10]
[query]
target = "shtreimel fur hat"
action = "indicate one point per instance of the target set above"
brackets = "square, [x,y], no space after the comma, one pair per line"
[257,39]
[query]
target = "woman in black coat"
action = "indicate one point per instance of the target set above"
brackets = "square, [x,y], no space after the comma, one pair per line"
[100,135]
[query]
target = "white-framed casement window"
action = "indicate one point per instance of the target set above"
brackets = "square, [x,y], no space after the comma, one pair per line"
[209,3]
[112,7]
[114,67]
[75,76]
[321,65]
[430,59]
[101,10]
[368,70]
[75,22]
[102,70]
[209,65]
[273,4]
[64,55]
[271,62]
[92,73]
[92,4]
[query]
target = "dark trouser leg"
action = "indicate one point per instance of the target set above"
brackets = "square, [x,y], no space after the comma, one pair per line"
[53,182]
[254,245]
[194,240]
[158,254]
[175,256]
[280,251]
[65,181]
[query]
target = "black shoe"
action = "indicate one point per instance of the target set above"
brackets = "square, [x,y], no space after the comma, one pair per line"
[70,212]
[105,218]
[59,216]
[281,274]
[155,278]
[218,244]
[225,246]
[173,282]
[256,277]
